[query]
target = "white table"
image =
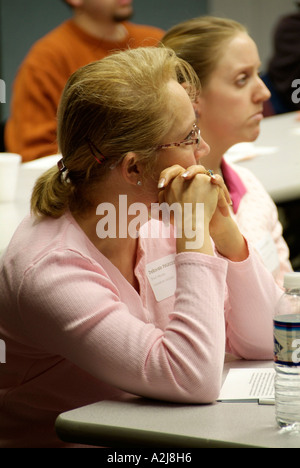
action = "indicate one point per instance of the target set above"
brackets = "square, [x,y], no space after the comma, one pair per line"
[144,423]
[278,169]
[12,213]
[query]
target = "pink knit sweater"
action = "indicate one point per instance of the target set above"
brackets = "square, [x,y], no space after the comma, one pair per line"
[76,332]
[257,217]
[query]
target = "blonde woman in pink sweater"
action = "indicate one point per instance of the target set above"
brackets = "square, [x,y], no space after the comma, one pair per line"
[89,309]
[229,111]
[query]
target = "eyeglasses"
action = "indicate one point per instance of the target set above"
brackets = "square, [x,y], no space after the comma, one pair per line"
[194,138]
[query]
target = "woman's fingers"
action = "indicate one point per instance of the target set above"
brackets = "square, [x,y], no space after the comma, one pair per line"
[223,204]
[218,180]
[171,173]
[192,171]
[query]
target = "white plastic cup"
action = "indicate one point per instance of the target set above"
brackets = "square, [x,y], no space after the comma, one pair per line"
[9,174]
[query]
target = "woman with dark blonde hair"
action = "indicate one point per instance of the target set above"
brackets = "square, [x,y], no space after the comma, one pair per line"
[229,111]
[94,309]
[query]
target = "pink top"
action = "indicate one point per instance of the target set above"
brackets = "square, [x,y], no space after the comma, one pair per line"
[76,331]
[235,185]
[257,218]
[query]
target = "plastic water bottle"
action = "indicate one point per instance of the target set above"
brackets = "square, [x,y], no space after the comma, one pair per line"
[287,355]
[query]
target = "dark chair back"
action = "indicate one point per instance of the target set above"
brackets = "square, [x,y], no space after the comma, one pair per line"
[2,145]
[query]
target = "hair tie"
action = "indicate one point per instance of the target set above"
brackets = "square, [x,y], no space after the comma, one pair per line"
[64,172]
[61,165]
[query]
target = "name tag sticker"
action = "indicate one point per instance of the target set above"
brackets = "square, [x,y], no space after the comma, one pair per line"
[268,252]
[162,277]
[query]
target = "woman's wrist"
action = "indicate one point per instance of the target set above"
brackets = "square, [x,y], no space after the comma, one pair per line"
[231,243]
[201,243]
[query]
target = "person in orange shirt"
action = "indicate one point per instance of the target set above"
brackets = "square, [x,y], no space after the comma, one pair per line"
[96,29]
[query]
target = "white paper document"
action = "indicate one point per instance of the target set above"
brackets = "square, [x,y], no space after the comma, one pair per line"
[249,385]
[244,151]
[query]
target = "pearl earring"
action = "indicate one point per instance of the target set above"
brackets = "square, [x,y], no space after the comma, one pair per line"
[139,183]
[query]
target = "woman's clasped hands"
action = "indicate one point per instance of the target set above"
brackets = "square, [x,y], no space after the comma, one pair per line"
[196,186]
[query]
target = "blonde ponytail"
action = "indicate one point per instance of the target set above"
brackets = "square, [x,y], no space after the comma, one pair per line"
[51,194]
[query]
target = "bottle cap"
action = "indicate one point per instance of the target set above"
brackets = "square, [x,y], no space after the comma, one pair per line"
[292,280]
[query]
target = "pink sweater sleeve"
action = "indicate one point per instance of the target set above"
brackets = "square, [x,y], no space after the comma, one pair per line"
[252,298]
[75,310]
